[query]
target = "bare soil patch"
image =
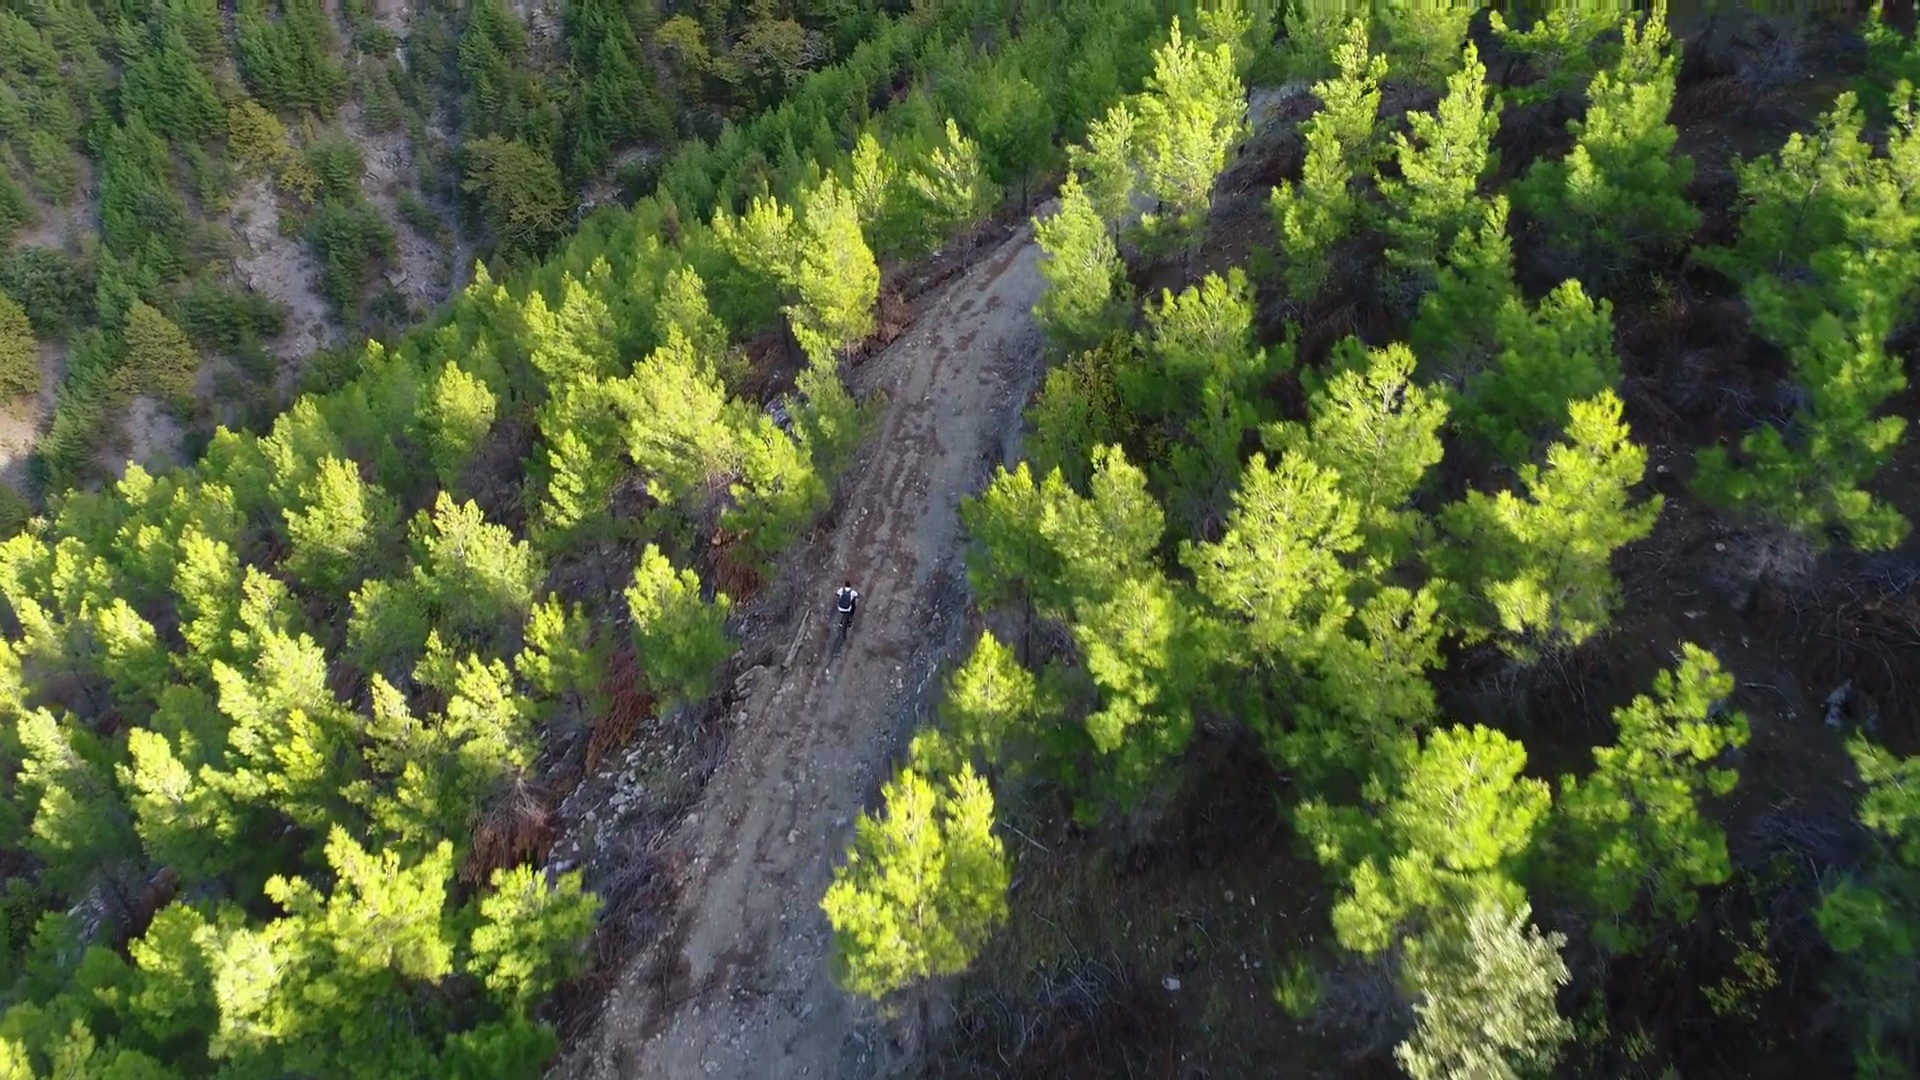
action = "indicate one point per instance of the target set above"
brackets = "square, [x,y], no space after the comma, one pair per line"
[283,268]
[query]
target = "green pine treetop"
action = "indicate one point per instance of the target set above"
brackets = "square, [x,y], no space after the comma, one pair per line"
[922,888]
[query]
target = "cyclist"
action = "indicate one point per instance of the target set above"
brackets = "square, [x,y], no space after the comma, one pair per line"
[844,602]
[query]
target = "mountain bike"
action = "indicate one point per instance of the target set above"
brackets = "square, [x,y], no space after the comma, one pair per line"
[837,634]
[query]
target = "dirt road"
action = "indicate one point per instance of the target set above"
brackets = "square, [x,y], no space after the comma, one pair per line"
[811,743]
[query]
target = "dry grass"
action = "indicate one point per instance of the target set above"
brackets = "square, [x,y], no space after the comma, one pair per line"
[629,707]
[635,896]
[733,573]
[517,831]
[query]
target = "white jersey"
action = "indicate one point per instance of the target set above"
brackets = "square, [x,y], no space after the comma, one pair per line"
[847,597]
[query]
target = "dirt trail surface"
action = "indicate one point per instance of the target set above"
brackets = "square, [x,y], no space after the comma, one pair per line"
[810,743]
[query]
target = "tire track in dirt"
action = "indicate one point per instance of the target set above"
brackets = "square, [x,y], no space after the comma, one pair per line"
[813,743]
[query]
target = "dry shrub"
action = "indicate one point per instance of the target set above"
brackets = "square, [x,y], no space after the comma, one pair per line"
[733,572]
[1866,632]
[1327,329]
[892,316]
[772,364]
[1712,99]
[494,475]
[157,893]
[1763,569]
[1363,1000]
[518,830]
[636,892]
[1094,1019]
[629,706]
[1530,133]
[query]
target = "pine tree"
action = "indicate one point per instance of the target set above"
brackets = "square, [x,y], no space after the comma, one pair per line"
[1619,198]
[1316,214]
[1086,291]
[290,741]
[159,356]
[680,639]
[512,1047]
[765,238]
[1047,544]
[950,188]
[1893,58]
[1434,200]
[1079,408]
[132,657]
[875,182]
[1012,561]
[1192,113]
[457,412]
[683,306]
[830,424]
[338,530]
[1633,827]
[580,460]
[173,985]
[1107,163]
[1205,335]
[780,492]
[821,261]
[1447,823]
[572,343]
[1485,1001]
[1454,333]
[1278,571]
[1202,383]
[1246,29]
[206,585]
[381,928]
[168,89]
[177,815]
[678,426]
[563,663]
[1358,685]
[530,936]
[1014,121]
[80,826]
[1134,645]
[1871,917]
[485,731]
[1811,477]
[1379,432]
[1825,226]
[1560,42]
[1110,536]
[922,887]
[19,355]
[1559,352]
[835,278]
[987,702]
[1423,39]
[1827,253]
[1314,30]
[477,577]
[1540,563]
